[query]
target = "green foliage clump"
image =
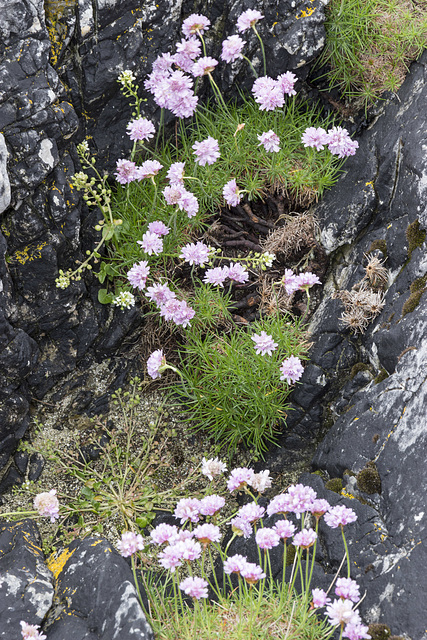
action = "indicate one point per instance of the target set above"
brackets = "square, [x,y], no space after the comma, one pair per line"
[417,289]
[379,631]
[415,236]
[383,374]
[334,484]
[369,480]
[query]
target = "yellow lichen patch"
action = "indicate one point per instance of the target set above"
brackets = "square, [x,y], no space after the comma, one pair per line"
[347,495]
[306,13]
[57,563]
[56,11]
[29,253]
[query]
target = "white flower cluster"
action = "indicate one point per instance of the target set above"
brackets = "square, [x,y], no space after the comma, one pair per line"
[124,300]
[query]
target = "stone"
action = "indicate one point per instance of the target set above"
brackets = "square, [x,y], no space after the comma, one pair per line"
[4,177]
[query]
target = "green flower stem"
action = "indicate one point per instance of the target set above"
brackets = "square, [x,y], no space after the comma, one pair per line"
[19,513]
[218,94]
[133,563]
[262,48]
[203,42]
[251,66]
[346,551]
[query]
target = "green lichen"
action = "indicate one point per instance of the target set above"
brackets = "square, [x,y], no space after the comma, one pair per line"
[379,245]
[379,631]
[415,236]
[383,374]
[334,484]
[368,479]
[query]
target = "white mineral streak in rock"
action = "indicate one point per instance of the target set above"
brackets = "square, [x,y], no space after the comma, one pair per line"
[4,177]
[10,583]
[45,153]
[129,609]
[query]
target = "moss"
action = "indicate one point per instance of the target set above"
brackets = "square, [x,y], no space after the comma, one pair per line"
[359,366]
[412,303]
[368,480]
[415,236]
[379,245]
[379,631]
[381,376]
[290,554]
[334,484]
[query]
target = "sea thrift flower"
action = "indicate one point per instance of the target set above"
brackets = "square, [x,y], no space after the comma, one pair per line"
[320,598]
[174,193]
[178,311]
[203,66]
[269,140]
[149,169]
[251,512]
[284,529]
[286,82]
[175,174]
[339,516]
[187,52]
[232,48]
[216,276]
[155,362]
[289,281]
[348,589]
[291,370]
[235,564]
[280,504]
[29,632]
[151,243]
[237,273]
[206,151]
[130,543]
[341,612]
[241,527]
[305,538]
[264,344]
[126,171]
[268,94]
[340,143]
[239,478]
[187,509]
[306,280]
[195,24]
[209,505]
[356,631]
[267,538]
[160,293]
[206,533]
[159,228]
[189,549]
[231,193]
[319,507]
[261,481]
[248,19]
[170,557]
[141,129]
[194,587]
[301,498]
[47,504]
[196,254]
[315,137]
[163,533]
[124,300]
[213,467]
[252,573]
[188,202]
[138,275]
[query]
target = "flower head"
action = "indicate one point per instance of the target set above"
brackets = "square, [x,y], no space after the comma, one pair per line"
[209,505]
[301,498]
[339,516]
[148,169]
[286,82]
[305,538]
[340,143]
[280,504]
[29,632]
[141,129]
[235,564]
[206,533]
[231,193]
[252,573]
[237,273]
[195,253]
[206,151]
[216,276]
[289,281]
[320,598]
[268,93]
[239,478]
[241,527]
[306,280]
[284,529]
[151,243]
[194,587]
[251,512]
[269,140]
[248,19]
[267,538]
[164,533]
[213,467]
[124,300]
[126,78]
[341,612]
[356,631]
[261,481]
[47,504]
[178,311]
[160,293]
[315,137]
[126,171]
[348,589]
[232,48]
[195,24]
[159,228]
[203,66]
[264,344]
[130,543]
[138,275]
[155,362]
[187,509]
[291,370]
[170,557]
[175,173]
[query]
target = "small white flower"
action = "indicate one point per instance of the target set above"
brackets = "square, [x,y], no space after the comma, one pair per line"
[213,467]
[124,300]
[126,77]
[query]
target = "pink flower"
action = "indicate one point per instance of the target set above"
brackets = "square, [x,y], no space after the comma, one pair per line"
[164,533]
[206,151]
[188,202]
[196,254]
[140,129]
[341,612]
[175,174]
[159,228]
[268,94]
[148,169]
[189,549]
[286,82]
[130,543]
[160,293]
[340,143]
[252,573]
[216,276]
[237,273]
[306,280]
[213,467]
[29,632]
[291,370]
[348,589]
[232,48]
[305,538]
[356,631]
[203,66]
[241,527]
[339,516]
[248,19]
[235,564]
[178,311]
[174,193]
[155,362]
[170,557]
[151,243]
[301,498]
[269,140]
[194,587]
[320,598]
[187,509]
[138,275]
[126,171]
[209,505]
[319,507]
[231,193]
[251,512]
[239,478]
[267,538]
[284,529]
[316,138]
[261,481]
[47,504]
[207,533]
[195,24]
[289,281]
[280,504]
[187,51]
[264,344]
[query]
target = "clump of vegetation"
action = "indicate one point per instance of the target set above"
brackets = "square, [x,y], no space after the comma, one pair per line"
[415,236]
[334,484]
[369,480]
[379,631]
[370,44]
[417,289]
[356,368]
[383,374]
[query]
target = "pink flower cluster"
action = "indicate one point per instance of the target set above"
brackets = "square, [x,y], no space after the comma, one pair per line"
[213,467]
[47,504]
[270,141]
[270,93]
[341,612]
[195,253]
[337,139]
[231,193]
[206,151]
[248,19]
[178,311]
[218,275]
[264,344]
[292,282]
[250,571]
[232,48]
[29,632]
[194,587]
[154,362]
[130,543]
[177,194]
[291,370]
[140,129]
[172,89]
